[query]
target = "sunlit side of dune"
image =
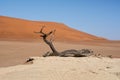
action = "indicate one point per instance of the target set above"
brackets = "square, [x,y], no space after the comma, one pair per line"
[20,29]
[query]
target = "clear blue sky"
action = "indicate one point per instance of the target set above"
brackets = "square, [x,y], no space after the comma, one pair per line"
[98,17]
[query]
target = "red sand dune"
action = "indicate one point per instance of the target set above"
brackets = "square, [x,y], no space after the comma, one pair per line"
[20,29]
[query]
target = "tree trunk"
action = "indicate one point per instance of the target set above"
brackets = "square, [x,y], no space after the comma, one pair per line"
[55,52]
[49,42]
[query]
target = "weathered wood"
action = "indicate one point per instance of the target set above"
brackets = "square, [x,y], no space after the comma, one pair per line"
[49,42]
[66,53]
[76,53]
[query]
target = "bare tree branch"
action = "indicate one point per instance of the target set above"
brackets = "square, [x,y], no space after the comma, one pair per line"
[66,53]
[49,42]
[41,31]
[52,36]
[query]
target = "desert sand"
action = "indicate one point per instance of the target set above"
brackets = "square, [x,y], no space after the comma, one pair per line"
[59,68]
[18,42]
[16,52]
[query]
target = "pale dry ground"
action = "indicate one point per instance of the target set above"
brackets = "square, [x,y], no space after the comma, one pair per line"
[61,68]
[16,52]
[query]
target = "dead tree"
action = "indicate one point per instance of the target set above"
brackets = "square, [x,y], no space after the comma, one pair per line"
[48,42]
[66,53]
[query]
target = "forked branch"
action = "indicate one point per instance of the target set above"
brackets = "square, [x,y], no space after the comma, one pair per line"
[66,53]
[49,42]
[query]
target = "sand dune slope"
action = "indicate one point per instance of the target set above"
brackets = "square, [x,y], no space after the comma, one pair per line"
[19,29]
[59,68]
